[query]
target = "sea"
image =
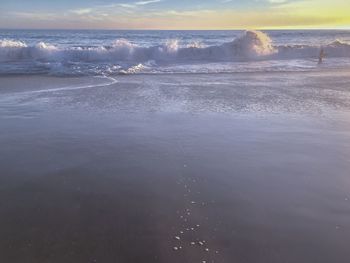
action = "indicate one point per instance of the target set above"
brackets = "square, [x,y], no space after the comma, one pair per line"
[114,52]
[174,146]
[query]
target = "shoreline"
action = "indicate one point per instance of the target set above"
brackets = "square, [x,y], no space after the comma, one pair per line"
[249,169]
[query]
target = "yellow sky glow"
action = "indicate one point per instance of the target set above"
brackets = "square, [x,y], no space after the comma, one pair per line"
[282,15]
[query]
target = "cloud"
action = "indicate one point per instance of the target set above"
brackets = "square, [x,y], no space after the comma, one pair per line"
[147,2]
[277,1]
[32,16]
[82,11]
[121,5]
[129,5]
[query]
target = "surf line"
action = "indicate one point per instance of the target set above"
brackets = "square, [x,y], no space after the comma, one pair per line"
[112,81]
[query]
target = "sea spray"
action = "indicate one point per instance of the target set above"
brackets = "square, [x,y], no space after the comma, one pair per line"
[124,56]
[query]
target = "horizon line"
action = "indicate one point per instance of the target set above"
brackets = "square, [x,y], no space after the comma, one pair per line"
[155,29]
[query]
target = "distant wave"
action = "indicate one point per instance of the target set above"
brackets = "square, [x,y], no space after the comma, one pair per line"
[250,46]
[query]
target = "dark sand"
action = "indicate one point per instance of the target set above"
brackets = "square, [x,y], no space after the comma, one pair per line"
[253,168]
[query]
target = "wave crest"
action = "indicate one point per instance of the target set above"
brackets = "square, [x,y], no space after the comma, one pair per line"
[254,44]
[250,46]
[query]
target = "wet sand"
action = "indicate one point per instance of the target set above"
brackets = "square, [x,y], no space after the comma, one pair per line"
[217,168]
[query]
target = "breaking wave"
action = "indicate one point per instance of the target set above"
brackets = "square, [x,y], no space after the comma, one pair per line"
[125,57]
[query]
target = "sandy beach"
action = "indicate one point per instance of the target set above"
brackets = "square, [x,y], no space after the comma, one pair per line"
[250,167]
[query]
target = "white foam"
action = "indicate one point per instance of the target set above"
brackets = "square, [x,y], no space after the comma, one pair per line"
[7,43]
[254,44]
[109,81]
[250,46]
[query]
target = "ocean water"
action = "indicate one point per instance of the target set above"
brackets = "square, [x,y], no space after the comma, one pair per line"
[123,154]
[74,53]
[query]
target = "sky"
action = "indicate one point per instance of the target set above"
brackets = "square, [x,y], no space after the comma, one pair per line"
[174,14]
